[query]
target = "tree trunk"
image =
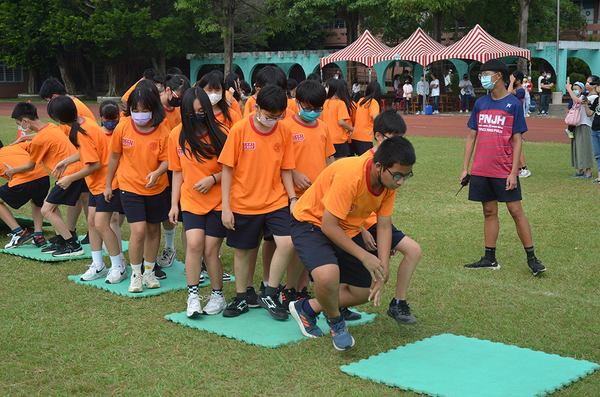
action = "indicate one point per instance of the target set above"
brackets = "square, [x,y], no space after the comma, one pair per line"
[31,81]
[90,92]
[523,20]
[65,73]
[160,65]
[111,71]
[351,19]
[228,34]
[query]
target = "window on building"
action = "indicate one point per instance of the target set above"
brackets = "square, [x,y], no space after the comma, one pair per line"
[10,75]
[336,24]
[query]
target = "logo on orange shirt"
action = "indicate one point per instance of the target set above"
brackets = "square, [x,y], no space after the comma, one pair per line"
[153,145]
[127,142]
[352,207]
[298,137]
[323,138]
[277,147]
[249,145]
[180,152]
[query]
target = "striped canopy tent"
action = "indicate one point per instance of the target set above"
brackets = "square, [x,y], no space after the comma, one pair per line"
[479,46]
[413,49]
[363,50]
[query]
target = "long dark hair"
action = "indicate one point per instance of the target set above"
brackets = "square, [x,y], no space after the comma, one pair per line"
[373,92]
[215,80]
[63,109]
[231,82]
[190,127]
[338,87]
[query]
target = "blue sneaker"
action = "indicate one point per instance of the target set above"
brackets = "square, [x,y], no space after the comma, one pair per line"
[342,340]
[308,324]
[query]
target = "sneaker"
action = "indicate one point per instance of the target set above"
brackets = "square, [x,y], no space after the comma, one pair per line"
[524,173]
[167,257]
[54,246]
[216,304]
[467,111]
[135,285]
[303,294]
[159,273]
[86,239]
[597,180]
[149,280]
[194,307]
[342,340]
[94,271]
[576,175]
[252,299]
[273,306]
[39,241]
[261,290]
[461,111]
[584,176]
[308,324]
[527,114]
[536,266]
[288,296]
[418,112]
[69,249]
[235,308]
[226,276]
[569,133]
[483,263]
[349,315]
[18,239]
[401,313]
[116,274]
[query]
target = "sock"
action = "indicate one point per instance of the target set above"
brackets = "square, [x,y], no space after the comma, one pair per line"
[218,291]
[490,254]
[308,309]
[170,238]
[193,289]
[397,301]
[35,234]
[18,230]
[136,269]
[148,266]
[115,260]
[265,284]
[97,258]
[73,233]
[271,291]
[241,296]
[530,252]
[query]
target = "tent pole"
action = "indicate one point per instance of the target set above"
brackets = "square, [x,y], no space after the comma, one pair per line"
[369,75]
[321,74]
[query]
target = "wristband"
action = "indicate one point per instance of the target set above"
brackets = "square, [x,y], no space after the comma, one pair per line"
[293,198]
[214,178]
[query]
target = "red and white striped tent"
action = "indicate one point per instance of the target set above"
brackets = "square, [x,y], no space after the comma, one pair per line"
[413,49]
[363,50]
[480,46]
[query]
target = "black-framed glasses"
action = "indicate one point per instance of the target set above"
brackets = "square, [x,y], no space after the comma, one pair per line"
[310,109]
[400,175]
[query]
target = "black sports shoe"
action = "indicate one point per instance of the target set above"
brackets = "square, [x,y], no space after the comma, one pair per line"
[86,239]
[303,294]
[58,237]
[235,308]
[288,296]
[72,248]
[261,290]
[252,299]
[349,315]
[273,306]
[53,247]
[536,266]
[401,313]
[483,263]
[39,241]
[159,273]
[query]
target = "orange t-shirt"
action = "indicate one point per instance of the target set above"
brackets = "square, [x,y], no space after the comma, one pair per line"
[250,106]
[193,171]
[173,117]
[16,156]
[82,111]
[363,127]
[141,154]
[228,123]
[235,105]
[344,188]
[292,107]
[125,96]
[257,160]
[335,110]
[312,146]
[51,146]
[93,147]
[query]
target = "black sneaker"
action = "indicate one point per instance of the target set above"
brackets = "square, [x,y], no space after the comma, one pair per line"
[303,294]
[252,299]
[236,308]
[401,313]
[72,248]
[273,306]
[86,239]
[54,246]
[483,263]
[288,296]
[54,239]
[159,273]
[39,241]
[261,290]
[349,315]
[536,266]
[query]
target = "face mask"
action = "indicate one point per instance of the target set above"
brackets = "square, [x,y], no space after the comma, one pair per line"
[576,92]
[174,102]
[548,76]
[486,82]
[200,118]
[110,125]
[141,118]
[310,115]
[243,97]
[263,120]
[327,90]
[161,88]
[214,98]
[24,128]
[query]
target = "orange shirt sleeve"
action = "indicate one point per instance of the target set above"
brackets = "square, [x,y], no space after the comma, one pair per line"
[174,161]
[287,161]
[342,111]
[250,106]
[163,154]
[339,196]
[230,152]
[125,96]
[329,148]
[116,141]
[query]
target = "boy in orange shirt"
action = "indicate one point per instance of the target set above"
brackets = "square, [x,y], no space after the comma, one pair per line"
[326,225]
[257,188]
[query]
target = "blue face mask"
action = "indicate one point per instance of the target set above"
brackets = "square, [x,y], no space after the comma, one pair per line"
[310,116]
[200,118]
[486,82]
[576,92]
[110,125]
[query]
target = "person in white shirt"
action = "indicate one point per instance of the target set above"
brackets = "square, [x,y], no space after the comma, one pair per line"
[448,80]
[407,95]
[435,93]
[423,92]
[466,91]
[355,91]
[396,83]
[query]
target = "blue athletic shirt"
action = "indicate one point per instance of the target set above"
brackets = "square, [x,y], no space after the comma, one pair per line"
[495,123]
[521,95]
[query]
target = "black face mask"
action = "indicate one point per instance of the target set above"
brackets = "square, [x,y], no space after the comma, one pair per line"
[174,102]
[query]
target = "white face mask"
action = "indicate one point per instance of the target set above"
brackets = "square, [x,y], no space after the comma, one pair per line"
[263,120]
[25,127]
[141,118]
[215,98]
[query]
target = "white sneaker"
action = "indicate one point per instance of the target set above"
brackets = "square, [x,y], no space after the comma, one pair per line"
[461,111]
[167,257]
[215,305]
[94,271]
[149,280]
[116,274]
[418,112]
[467,111]
[193,305]
[524,173]
[135,285]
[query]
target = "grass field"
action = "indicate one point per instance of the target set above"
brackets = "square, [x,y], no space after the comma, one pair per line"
[59,338]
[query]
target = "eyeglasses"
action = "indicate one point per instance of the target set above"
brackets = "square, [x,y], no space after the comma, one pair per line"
[279,118]
[310,109]
[400,175]
[490,75]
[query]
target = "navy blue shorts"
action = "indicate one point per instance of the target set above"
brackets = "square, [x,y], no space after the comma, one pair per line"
[397,236]
[85,188]
[246,235]
[342,150]
[68,196]
[151,209]
[315,249]
[211,223]
[18,195]
[362,147]
[97,201]
[485,189]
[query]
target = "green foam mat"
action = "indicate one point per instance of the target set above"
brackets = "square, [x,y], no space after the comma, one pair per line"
[457,366]
[257,327]
[30,251]
[23,222]
[175,281]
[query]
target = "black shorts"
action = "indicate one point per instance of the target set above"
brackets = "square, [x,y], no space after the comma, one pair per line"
[485,189]
[97,201]
[68,196]
[150,209]
[315,249]
[362,146]
[341,150]
[246,235]
[85,188]
[211,223]
[397,236]
[18,195]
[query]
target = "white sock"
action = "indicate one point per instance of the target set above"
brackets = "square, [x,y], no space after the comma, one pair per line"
[265,283]
[136,269]
[148,266]
[115,261]
[97,258]
[170,238]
